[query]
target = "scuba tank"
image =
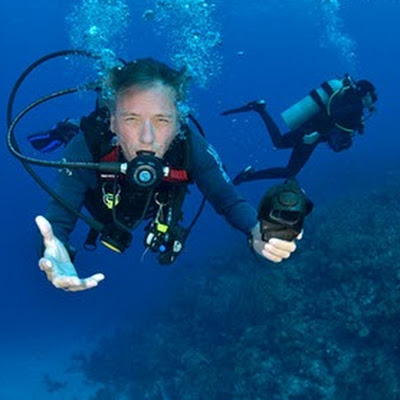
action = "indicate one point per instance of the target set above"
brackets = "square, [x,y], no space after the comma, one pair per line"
[314,102]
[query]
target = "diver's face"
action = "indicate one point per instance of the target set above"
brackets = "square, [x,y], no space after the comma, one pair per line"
[368,101]
[145,119]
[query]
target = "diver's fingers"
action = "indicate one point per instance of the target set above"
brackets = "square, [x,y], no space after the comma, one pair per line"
[66,282]
[93,281]
[271,257]
[277,250]
[283,244]
[45,229]
[45,265]
[96,278]
[83,284]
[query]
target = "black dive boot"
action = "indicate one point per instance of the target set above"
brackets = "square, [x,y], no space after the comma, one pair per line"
[243,175]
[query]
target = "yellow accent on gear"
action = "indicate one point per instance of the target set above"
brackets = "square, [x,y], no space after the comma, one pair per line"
[162,227]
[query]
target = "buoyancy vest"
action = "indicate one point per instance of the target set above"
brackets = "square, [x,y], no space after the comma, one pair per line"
[343,109]
[116,192]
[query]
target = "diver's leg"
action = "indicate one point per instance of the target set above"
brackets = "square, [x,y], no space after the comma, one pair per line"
[251,106]
[280,141]
[249,174]
[298,158]
[300,155]
[292,139]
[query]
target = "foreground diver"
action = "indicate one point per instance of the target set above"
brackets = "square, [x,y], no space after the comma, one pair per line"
[332,114]
[143,126]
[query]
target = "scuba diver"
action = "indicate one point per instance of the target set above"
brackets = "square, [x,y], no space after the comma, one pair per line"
[144,131]
[331,114]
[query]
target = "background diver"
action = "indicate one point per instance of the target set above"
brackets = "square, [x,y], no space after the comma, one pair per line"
[331,114]
[142,122]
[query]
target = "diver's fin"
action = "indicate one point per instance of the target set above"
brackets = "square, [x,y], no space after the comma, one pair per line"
[52,139]
[256,105]
[243,175]
[44,142]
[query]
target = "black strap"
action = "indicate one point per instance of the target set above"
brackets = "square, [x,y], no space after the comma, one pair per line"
[91,239]
[327,89]
[317,98]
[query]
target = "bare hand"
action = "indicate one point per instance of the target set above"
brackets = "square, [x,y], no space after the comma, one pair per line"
[274,250]
[57,265]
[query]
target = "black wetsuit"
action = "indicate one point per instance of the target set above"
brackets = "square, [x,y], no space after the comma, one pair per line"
[205,169]
[348,113]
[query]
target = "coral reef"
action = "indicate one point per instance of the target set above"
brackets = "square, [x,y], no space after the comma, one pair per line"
[323,325]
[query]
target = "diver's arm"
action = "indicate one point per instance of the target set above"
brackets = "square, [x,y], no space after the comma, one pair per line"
[71,186]
[212,180]
[215,184]
[59,222]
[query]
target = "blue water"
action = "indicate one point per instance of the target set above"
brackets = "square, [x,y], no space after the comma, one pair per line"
[277,50]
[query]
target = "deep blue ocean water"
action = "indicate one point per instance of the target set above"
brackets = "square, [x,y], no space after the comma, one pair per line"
[277,50]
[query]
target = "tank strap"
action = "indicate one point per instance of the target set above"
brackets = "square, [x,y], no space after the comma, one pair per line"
[316,97]
[327,88]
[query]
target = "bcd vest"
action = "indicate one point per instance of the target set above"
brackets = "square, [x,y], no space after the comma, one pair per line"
[115,198]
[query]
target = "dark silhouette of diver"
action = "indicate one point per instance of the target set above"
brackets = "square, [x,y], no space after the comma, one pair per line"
[334,117]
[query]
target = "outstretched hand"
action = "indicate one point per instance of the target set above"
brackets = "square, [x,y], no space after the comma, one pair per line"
[274,250]
[57,265]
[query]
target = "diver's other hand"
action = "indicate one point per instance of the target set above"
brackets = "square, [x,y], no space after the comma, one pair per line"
[274,250]
[57,265]
[311,138]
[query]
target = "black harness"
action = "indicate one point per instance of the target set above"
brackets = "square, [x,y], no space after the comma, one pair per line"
[336,100]
[317,98]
